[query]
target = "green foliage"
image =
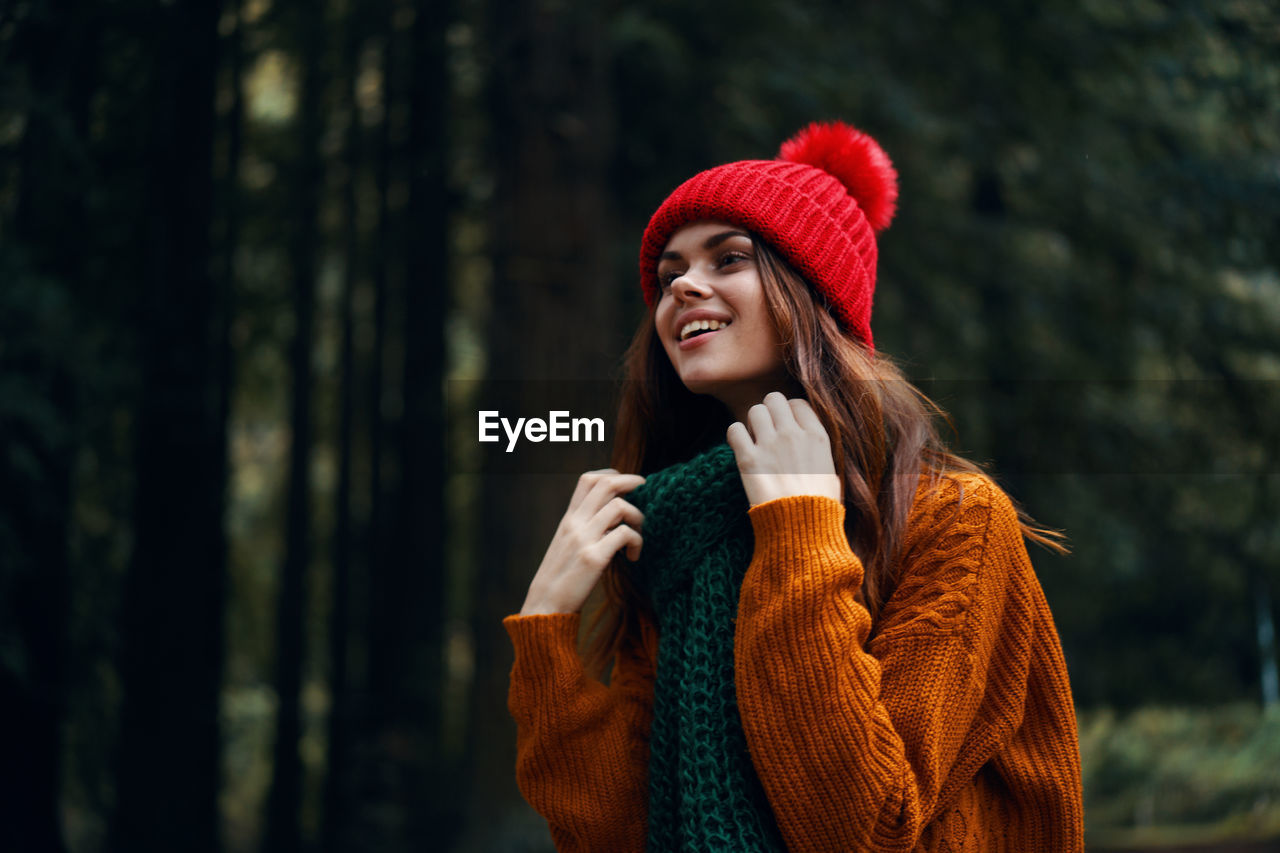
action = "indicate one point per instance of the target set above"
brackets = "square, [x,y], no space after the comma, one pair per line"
[1213,773]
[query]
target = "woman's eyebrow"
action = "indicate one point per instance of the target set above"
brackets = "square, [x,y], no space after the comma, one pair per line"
[716,239]
[710,243]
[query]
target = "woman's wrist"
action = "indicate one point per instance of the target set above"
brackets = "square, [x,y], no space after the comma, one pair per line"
[543,608]
[545,599]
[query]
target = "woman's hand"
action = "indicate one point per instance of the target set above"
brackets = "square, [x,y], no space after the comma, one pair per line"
[786,452]
[597,525]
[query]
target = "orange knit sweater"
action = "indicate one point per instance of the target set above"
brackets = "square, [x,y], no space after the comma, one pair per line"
[950,727]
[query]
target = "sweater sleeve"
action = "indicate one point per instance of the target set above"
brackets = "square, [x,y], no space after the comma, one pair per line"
[581,747]
[860,743]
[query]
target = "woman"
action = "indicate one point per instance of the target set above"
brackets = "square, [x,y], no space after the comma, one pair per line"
[827,634]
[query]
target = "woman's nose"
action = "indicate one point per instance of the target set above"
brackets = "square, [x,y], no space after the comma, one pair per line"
[690,286]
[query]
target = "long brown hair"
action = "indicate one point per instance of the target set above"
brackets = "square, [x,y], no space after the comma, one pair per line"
[883,433]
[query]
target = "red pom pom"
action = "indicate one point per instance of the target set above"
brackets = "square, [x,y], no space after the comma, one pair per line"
[853,158]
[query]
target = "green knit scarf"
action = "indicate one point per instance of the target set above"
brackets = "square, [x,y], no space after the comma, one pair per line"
[704,794]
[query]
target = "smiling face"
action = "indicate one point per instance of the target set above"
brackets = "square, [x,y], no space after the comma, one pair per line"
[712,318]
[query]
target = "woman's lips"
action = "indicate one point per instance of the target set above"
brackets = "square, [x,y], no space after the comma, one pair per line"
[699,340]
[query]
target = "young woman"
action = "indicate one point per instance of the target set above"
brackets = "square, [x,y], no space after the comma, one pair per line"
[826,634]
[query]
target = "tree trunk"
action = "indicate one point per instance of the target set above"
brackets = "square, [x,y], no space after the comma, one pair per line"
[369,781]
[171,665]
[382,649]
[553,318]
[430,796]
[36,504]
[398,752]
[334,830]
[284,805]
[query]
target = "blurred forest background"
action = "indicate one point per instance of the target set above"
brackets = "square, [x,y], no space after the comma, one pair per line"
[258,256]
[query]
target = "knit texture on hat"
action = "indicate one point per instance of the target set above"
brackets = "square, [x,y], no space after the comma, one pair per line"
[820,205]
[704,794]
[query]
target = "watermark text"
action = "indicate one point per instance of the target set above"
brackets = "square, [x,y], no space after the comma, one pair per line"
[558,427]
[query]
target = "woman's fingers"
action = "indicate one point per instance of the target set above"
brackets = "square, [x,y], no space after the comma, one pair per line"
[739,439]
[615,512]
[615,540]
[775,414]
[806,417]
[605,488]
[788,451]
[760,421]
[586,482]
[596,526]
[779,411]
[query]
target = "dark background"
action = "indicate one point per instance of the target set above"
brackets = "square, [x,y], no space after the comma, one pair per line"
[259,260]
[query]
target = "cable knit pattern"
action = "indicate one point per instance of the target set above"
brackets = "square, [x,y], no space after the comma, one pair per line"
[949,727]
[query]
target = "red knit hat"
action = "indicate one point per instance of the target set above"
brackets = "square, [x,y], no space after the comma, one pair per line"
[820,204]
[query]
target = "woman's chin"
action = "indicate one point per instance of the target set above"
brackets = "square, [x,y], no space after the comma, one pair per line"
[700,384]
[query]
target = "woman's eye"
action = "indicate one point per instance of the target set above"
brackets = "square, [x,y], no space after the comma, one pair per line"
[729,258]
[666,278]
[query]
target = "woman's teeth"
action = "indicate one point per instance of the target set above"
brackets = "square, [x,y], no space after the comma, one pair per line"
[701,326]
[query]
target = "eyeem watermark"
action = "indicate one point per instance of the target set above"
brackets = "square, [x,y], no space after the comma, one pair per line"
[558,427]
